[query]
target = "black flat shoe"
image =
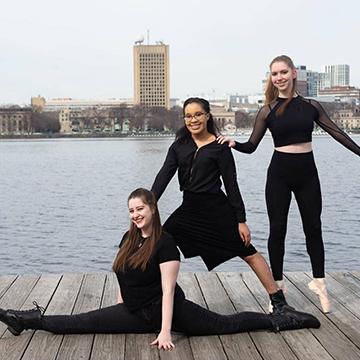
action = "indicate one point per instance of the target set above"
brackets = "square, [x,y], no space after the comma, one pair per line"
[290,319]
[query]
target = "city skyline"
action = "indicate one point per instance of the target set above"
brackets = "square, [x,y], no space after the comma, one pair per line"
[83,50]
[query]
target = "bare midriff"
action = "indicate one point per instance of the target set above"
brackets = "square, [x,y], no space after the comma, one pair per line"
[295,148]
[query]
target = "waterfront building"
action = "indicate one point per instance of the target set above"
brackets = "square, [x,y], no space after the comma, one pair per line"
[313,83]
[151,75]
[59,104]
[301,80]
[347,119]
[15,120]
[225,120]
[338,75]
[349,94]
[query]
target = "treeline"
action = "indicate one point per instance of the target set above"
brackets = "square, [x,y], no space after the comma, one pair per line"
[135,119]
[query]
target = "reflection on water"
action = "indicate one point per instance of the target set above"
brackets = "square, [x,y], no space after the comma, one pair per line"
[63,202]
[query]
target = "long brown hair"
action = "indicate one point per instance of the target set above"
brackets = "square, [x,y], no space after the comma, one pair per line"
[271,92]
[130,254]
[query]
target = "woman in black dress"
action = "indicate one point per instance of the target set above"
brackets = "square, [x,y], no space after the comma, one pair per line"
[290,119]
[147,266]
[209,223]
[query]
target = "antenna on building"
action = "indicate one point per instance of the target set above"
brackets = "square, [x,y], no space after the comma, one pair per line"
[140,40]
[148,36]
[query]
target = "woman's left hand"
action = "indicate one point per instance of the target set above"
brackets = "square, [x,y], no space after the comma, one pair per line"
[245,234]
[163,341]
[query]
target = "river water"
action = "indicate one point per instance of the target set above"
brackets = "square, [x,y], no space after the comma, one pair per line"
[63,202]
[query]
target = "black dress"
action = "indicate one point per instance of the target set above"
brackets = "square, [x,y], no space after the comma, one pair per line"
[206,223]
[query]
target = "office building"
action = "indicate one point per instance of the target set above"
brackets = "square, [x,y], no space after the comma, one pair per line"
[151,75]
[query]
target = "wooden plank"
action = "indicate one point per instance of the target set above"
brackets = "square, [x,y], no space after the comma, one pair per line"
[299,340]
[138,347]
[348,279]
[270,345]
[16,295]
[109,346]
[356,274]
[12,348]
[44,345]
[236,346]
[344,296]
[5,283]
[203,347]
[345,309]
[79,346]
[329,335]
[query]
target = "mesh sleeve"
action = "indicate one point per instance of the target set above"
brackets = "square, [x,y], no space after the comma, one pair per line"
[257,134]
[332,129]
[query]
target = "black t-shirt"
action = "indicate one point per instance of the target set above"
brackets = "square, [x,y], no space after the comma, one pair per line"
[142,288]
[294,126]
[200,170]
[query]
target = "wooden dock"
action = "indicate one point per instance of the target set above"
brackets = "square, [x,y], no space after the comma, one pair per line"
[338,338]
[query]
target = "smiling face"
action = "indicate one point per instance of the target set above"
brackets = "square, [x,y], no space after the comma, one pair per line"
[195,118]
[282,77]
[141,215]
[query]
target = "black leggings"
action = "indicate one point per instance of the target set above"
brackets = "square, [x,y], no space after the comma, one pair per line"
[295,173]
[188,318]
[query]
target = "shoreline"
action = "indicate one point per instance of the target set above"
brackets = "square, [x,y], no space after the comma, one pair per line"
[246,132]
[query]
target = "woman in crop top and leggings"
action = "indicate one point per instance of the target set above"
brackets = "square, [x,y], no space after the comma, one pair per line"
[290,119]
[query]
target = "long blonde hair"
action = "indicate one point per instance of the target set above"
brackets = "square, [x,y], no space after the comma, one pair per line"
[271,92]
[130,254]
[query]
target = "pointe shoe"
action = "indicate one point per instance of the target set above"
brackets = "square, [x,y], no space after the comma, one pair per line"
[318,286]
[17,320]
[281,286]
[290,319]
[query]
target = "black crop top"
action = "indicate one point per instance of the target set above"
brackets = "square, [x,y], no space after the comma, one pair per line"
[294,126]
[142,288]
[199,171]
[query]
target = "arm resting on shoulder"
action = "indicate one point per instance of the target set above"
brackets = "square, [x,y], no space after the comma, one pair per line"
[257,134]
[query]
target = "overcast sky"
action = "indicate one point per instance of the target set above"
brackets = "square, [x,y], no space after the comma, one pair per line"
[83,49]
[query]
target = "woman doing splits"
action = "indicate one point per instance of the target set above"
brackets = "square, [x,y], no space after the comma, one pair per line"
[147,266]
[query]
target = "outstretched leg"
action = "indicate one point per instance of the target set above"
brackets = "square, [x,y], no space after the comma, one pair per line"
[192,319]
[112,319]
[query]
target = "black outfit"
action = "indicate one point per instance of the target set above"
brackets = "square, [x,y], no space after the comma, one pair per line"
[140,289]
[206,223]
[293,172]
[142,314]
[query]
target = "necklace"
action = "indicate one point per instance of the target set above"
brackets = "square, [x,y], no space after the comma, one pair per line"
[142,240]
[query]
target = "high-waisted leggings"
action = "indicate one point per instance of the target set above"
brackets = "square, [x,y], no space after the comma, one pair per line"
[188,318]
[294,173]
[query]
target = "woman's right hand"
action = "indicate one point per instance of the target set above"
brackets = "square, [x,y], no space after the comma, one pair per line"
[222,140]
[164,341]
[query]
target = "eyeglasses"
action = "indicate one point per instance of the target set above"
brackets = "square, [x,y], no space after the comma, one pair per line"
[196,116]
